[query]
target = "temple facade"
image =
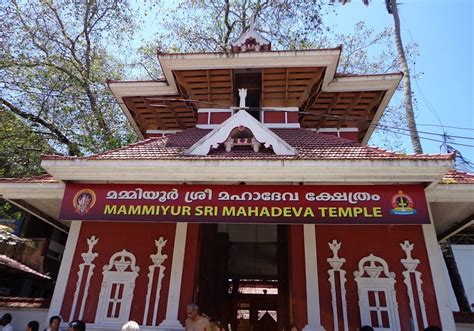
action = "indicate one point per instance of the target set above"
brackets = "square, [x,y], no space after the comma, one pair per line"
[253,193]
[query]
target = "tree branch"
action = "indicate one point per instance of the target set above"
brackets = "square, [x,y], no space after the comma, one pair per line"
[72,147]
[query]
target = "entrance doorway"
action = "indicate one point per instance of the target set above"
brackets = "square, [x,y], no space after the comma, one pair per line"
[243,276]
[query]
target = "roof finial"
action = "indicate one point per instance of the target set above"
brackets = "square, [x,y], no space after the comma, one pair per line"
[251,40]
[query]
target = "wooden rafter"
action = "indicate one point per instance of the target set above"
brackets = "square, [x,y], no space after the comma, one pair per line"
[313,87]
[161,124]
[208,86]
[136,114]
[312,98]
[353,103]
[375,102]
[231,79]
[334,101]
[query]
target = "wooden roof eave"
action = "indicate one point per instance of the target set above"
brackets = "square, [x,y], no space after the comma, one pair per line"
[363,83]
[327,59]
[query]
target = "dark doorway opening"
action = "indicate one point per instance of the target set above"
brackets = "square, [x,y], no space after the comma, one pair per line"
[243,276]
[251,80]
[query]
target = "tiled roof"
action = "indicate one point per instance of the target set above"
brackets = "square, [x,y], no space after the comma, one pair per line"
[44,178]
[458,177]
[309,144]
[21,302]
[11,263]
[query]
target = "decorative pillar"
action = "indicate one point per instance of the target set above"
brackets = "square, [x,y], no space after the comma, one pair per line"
[336,269]
[410,265]
[88,258]
[176,276]
[158,266]
[312,285]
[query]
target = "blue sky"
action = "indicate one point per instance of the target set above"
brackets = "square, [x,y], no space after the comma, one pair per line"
[443,30]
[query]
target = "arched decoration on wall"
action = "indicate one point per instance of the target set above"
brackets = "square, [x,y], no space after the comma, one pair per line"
[337,274]
[116,292]
[158,258]
[377,297]
[241,136]
[259,131]
[410,265]
[88,257]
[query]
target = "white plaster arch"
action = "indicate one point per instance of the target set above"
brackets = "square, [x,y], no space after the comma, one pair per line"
[116,292]
[374,280]
[242,118]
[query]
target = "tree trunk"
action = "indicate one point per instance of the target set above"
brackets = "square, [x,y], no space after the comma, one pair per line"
[410,115]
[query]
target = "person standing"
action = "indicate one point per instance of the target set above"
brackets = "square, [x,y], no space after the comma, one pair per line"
[6,322]
[77,325]
[54,322]
[196,322]
[33,326]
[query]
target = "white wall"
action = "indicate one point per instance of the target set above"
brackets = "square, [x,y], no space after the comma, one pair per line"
[21,317]
[464,255]
[463,327]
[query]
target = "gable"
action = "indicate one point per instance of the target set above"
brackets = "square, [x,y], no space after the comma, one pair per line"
[241,119]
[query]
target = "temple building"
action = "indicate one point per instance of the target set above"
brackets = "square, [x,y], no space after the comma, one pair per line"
[253,193]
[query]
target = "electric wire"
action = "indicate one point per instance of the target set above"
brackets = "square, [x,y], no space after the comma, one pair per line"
[445,126]
[198,101]
[379,126]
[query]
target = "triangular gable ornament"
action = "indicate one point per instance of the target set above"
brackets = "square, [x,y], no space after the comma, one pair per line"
[242,119]
[251,40]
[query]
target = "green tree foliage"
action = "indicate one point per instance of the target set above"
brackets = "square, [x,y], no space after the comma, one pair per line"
[210,26]
[55,57]
[194,25]
[365,51]
[21,147]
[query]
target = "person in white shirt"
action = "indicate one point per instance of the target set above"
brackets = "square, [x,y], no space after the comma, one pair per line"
[131,326]
[6,322]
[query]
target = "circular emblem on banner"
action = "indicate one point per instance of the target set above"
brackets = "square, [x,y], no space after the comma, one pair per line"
[402,204]
[83,201]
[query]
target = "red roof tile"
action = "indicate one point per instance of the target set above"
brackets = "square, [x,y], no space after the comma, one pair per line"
[44,178]
[11,263]
[309,144]
[458,177]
